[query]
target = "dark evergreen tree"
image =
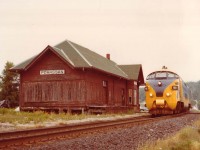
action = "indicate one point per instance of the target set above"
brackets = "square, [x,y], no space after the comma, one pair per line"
[9,85]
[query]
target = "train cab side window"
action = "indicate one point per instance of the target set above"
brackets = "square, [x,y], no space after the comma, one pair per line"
[151,76]
[186,95]
[171,75]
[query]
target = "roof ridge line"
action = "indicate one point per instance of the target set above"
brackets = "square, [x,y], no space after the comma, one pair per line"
[65,55]
[129,64]
[79,53]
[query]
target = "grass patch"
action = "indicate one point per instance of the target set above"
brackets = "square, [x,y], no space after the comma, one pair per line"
[13,117]
[186,139]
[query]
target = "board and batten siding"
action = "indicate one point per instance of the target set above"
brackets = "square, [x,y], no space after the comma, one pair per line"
[96,93]
[65,91]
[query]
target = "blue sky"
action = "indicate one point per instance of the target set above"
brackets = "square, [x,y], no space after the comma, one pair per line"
[152,33]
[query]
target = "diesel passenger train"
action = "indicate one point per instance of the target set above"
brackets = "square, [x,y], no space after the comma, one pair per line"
[166,93]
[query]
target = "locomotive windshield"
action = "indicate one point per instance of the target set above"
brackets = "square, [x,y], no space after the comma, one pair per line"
[161,75]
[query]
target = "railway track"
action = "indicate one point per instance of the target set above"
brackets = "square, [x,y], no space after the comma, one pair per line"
[27,137]
[197,113]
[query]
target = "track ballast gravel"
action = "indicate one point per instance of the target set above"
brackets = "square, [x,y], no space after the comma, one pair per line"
[122,139]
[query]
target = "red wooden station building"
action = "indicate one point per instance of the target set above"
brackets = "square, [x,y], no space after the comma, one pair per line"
[69,77]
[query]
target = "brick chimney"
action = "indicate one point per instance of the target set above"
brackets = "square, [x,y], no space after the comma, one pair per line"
[108,56]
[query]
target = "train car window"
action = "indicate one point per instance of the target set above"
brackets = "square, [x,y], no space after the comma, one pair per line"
[186,95]
[161,75]
[151,76]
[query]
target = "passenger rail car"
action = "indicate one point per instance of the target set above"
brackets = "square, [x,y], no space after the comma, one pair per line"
[166,93]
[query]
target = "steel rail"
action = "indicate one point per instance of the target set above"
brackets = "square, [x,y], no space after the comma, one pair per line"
[22,133]
[15,138]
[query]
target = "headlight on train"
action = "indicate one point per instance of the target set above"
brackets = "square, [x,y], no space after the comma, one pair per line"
[151,95]
[167,94]
[159,83]
[174,87]
[146,88]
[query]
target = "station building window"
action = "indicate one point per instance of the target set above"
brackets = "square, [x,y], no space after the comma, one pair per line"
[130,96]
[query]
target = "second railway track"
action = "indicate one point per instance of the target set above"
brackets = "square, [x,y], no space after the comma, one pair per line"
[31,136]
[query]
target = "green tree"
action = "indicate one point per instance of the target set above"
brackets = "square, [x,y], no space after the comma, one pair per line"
[9,85]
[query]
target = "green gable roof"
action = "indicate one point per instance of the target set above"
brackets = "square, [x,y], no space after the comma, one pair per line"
[23,64]
[83,57]
[79,56]
[134,72]
[131,70]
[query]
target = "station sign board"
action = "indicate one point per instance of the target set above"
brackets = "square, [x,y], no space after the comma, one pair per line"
[51,72]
